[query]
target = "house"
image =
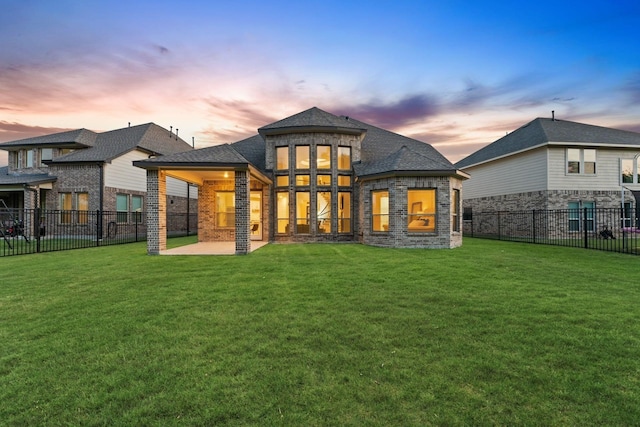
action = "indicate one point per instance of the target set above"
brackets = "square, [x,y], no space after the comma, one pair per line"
[81,170]
[314,177]
[550,164]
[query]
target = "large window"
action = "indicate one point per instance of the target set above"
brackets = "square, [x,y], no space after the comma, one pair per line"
[455,210]
[282,212]
[323,160]
[302,212]
[282,158]
[344,158]
[302,157]
[323,211]
[380,210]
[422,210]
[630,172]
[226,209]
[581,214]
[344,212]
[581,161]
[122,207]
[66,207]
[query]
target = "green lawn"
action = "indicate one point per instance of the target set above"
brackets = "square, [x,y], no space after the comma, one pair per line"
[493,333]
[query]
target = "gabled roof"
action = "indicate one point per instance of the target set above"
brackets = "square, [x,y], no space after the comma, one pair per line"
[23,179]
[78,138]
[544,131]
[223,155]
[313,120]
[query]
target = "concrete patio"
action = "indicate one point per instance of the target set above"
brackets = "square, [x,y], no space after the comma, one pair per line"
[210,248]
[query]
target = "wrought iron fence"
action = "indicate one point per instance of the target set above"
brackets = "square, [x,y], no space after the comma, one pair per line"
[26,231]
[591,228]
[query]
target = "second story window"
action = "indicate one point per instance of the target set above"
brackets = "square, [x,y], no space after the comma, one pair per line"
[302,157]
[323,160]
[282,158]
[630,172]
[29,158]
[581,161]
[344,158]
[46,154]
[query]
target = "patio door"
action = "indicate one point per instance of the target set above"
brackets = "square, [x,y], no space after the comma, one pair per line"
[255,217]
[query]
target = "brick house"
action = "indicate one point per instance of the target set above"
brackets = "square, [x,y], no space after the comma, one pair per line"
[315,177]
[84,170]
[551,164]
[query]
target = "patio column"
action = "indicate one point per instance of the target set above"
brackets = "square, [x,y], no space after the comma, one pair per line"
[243,237]
[29,211]
[156,212]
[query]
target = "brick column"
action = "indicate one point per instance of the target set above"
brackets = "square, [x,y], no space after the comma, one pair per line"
[243,236]
[30,205]
[156,212]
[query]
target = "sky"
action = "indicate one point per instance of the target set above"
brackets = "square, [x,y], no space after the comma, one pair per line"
[455,74]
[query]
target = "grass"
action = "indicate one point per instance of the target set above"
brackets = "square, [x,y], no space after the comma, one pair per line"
[493,333]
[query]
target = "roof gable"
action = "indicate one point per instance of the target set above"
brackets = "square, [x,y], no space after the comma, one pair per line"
[72,138]
[313,119]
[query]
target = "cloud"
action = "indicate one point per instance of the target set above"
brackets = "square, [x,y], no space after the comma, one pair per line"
[631,89]
[394,114]
[11,131]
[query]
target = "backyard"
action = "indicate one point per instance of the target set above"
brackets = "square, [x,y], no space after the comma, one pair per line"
[492,333]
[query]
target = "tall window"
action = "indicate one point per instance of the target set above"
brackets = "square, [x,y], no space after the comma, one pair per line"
[136,207]
[630,172]
[302,157]
[323,160]
[323,211]
[83,207]
[422,210]
[66,207]
[302,212]
[282,212]
[581,161]
[455,210]
[122,207]
[29,158]
[344,212]
[344,158]
[380,210]
[225,209]
[282,158]
[579,211]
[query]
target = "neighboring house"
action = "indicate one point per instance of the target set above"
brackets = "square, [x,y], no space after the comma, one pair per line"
[84,170]
[554,164]
[315,177]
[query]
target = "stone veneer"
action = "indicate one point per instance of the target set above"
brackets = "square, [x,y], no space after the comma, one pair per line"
[156,212]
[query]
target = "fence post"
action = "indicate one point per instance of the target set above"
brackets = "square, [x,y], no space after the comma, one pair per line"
[534,225]
[98,227]
[584,227]
[499,227]
[136,215]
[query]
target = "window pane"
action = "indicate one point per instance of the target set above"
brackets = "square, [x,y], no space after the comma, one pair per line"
[29,158]
[574,216]
[282,158]
[589,161]
[302,180]
[344,180]
[422,210]
[66,207]
[344,212]
[46,154]
[302,157]
[283,211]
[627,170]
[380,210]
[226,209]
[323,202]
[455,210]
[122,206]
[83,207]
[344,158]
[282,180]
[324,180]
[573,160]
[302,212]
[136,207]
[324,157]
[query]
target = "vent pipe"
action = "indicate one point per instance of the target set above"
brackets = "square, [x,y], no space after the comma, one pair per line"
[176,134]
[553,115]
[193,142]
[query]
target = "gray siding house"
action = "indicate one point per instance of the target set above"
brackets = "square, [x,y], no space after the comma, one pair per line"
[315,177]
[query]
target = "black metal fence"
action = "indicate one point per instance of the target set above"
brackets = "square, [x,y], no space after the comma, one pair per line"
[603,229]
[26,231]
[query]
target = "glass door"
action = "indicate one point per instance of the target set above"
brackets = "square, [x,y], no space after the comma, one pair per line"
[255,217]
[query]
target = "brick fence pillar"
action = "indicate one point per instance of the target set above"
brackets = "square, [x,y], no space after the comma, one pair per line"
[156,212]
[243,237]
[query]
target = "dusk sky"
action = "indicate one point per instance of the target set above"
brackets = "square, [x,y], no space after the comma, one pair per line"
[455,74]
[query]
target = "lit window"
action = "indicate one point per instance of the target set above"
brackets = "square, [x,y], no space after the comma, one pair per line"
[302,180]
[282,209]
[344,158]
[323,210]
[380,210]
[282,180]
[302,212]
[324,180]
[83,207]
[66,206]
[226,209]
[122,207]
[323,160]
[422,210]
[282,158]
[344,212]
[581,161]
[302,157]
[344,181]
[455,210]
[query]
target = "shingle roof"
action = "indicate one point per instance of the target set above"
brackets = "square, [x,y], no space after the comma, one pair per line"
[218,155]
[313,119]
[11,179]
[542,131]
[77,138]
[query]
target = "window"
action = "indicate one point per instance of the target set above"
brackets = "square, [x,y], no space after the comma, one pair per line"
[66,207]
[323,210]
[226,209]
[302,157]
[282,158]
[630,172]
[15,159]
[29,158]
[579,211]
[282,211]
[344,212]
[83,207]
[344,181]
[282,180]
[455,210]
[344,158]
[302,180]
[581,161]
[627,212]
[324,180]
[122,207]
[302,212]
[136,207]
[380,210]
[422,210]
[46,154]
[323,160]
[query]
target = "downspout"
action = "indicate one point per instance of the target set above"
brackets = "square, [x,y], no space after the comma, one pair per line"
[188,211]
[101,201]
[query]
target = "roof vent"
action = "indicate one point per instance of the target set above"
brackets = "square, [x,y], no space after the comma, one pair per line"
[176,134]
[170,131]
[346,117]
[553,115]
